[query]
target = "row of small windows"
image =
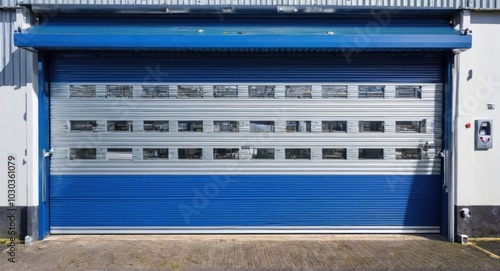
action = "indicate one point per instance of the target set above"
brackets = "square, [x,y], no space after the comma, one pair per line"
[255,126]
[231,91]
[234,153]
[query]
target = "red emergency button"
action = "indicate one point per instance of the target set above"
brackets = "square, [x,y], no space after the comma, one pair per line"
[467,125]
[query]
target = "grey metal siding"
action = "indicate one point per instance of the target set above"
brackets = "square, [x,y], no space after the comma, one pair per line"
[474,4]
[8,3]
[15,63]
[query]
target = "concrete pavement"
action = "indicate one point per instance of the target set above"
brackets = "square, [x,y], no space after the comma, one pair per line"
[248,252]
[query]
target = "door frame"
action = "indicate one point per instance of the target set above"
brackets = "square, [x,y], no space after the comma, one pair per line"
[43,144]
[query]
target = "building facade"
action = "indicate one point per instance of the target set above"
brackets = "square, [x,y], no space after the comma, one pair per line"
[298,117]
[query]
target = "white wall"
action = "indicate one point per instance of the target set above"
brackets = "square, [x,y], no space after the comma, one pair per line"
[18,112]
[19,137]
[478,180]
[13,141]
[32,139]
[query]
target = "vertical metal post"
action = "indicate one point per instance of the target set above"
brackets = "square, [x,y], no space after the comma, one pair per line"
[46,155]
[44,175]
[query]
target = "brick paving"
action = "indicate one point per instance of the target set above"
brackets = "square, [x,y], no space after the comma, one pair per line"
[248,252]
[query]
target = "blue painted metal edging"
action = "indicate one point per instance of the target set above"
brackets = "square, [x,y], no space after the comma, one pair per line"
[173,42]
[244,200]
[228,34]
[44,143]
[447,145]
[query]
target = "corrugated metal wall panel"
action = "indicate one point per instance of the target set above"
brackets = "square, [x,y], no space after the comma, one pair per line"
[475,4]
[15,63]
[483,4]
[372,3]
[8,3]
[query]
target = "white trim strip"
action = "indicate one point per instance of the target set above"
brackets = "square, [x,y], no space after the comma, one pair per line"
[244,230]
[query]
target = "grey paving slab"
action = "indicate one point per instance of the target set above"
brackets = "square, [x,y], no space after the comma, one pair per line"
[491,246]
[248,252]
